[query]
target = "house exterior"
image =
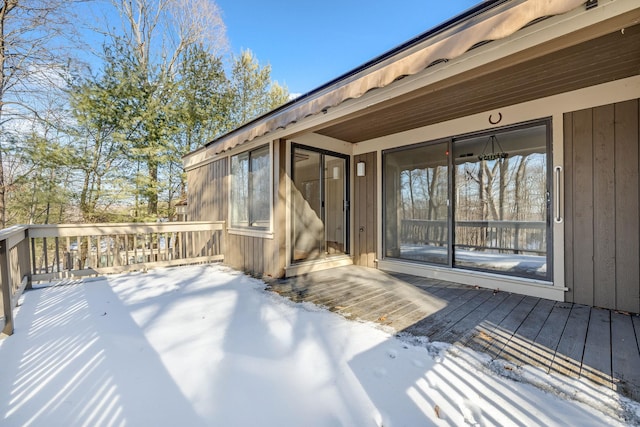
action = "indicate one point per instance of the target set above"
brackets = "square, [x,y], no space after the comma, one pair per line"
[500,149]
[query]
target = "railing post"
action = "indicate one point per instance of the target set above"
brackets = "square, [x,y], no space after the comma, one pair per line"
[5,282]
[32,244]
[27,259]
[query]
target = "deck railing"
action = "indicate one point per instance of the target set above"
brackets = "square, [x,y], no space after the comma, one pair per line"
[516,237]
[45,252]
[15,271]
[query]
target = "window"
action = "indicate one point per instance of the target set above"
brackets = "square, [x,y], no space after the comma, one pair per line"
[417,203]
[486,207]
[250,189]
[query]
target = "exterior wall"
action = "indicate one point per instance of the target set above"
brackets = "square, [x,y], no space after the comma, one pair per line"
[617,92]
[364,202]
[602,238]
[208,196]
[253,255]
[207,192]
[559,69]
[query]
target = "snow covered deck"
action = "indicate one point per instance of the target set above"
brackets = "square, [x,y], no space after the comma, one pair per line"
[207,346]
[574,340]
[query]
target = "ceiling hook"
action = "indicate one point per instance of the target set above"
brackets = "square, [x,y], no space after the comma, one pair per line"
[497,121]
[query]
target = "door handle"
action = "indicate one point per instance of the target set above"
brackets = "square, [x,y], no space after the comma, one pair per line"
[558,213]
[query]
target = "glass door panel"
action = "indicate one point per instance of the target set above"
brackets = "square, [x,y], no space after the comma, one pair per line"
[319,205]
[501,202]
[308,227]
[416,203]
[335,220]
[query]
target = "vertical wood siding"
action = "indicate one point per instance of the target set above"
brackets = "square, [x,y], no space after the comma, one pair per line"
[602,238]
[208,190]
[365,211]
[253,255]
[279,250]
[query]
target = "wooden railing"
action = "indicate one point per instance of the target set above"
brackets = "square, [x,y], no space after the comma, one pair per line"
[15,272]
[422,231]
[45,252]
[516,237]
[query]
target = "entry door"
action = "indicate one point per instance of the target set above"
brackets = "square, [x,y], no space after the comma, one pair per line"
[320,204]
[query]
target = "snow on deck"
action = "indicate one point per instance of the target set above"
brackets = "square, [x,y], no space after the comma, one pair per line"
[208,346]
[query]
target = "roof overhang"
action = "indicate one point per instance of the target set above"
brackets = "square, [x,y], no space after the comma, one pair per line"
[411,73]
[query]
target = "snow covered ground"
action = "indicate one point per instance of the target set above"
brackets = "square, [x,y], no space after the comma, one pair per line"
[207,346]
[534,266]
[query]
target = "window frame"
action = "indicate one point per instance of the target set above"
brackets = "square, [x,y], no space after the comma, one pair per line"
[246,228]
[451,140]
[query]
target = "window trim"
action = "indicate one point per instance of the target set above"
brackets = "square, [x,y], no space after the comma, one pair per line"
[249,230]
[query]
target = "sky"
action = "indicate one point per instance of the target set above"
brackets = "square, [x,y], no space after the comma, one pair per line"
[208,346]
[308,44]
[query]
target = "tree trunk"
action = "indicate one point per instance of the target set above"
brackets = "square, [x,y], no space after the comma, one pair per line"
[170,196]
[3,221]
[518,190]
[152,206]
[413,209]
[4,11]
[432,191]
[84,197]
[504,169]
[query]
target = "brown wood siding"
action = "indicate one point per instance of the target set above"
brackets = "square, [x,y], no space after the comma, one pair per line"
[207,192]
[253,255]
[206,197]
[627,131]
[365,211]
[602,238]
[208,200]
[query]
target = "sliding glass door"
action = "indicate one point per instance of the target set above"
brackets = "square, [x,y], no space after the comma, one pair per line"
[320,204]
[484,207]
[417,203]
[501,202]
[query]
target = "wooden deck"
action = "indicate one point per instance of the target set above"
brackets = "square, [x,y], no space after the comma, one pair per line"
[562,338]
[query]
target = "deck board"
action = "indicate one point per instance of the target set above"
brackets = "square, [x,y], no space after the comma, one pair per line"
[394,310]
[545,344]
[519,349]
[442,300]
[596,362]
[454,317]
[462,328]
[560,338]
[374,307]
[625,357]
[329,294]
[483,335]
[342,294]
[404,317]
[440,320]
[509,325]
[636,327]
[568,357]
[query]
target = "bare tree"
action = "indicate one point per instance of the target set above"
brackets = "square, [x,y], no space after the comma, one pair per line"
[30,64]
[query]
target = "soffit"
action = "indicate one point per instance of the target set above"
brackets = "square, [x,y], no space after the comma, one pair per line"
[606,58]
[500,22]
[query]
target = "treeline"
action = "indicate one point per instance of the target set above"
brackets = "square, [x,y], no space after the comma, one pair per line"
[96,134]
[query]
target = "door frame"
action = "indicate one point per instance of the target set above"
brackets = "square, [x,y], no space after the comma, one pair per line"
[347,194]
[450,143]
